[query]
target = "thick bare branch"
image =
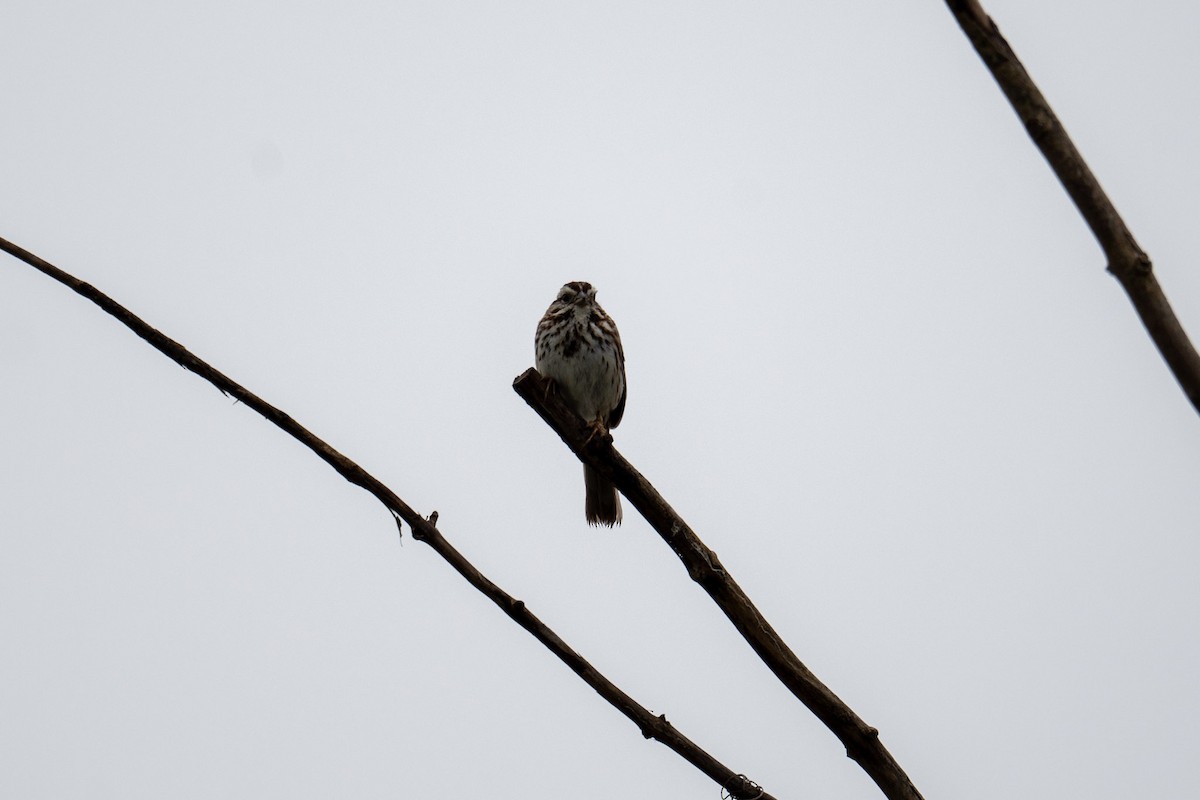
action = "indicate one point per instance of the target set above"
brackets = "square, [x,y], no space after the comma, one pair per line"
[1126,260]
[651,726]
[860,739]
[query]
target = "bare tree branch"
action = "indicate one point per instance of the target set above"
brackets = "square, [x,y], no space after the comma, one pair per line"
[424,530]
[860,739]
[1126,260]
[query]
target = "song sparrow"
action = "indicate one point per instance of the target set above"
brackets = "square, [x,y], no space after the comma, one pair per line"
[577,346]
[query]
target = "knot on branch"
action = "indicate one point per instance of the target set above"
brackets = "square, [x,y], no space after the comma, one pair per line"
[739,787]
[1142,265]
[865,741]
[1125,266]
[655,727]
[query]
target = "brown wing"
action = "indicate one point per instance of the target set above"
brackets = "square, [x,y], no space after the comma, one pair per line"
[614,416]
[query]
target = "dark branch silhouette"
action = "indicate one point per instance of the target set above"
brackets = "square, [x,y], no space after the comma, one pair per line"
[423,529]
[860,739]
[1126,260]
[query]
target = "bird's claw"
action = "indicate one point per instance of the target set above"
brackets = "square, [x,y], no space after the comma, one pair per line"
[598,428]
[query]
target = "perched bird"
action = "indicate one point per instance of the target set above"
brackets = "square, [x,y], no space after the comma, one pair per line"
[577,346]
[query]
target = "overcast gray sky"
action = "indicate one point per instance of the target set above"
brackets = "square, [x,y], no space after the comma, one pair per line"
[873,358]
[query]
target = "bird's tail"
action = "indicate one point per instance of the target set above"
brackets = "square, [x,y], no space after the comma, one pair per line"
[601,504]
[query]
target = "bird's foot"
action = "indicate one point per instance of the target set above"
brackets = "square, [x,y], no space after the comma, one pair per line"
[598,428]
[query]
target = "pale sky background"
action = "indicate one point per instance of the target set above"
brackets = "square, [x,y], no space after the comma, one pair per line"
[873,356]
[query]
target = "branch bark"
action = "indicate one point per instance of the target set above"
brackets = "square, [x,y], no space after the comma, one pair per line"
[1126,260]
[860,739]
[424,530]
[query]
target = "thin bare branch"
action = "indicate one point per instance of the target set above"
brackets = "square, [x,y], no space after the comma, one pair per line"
[1126,260]
[424,530]
[860,739]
